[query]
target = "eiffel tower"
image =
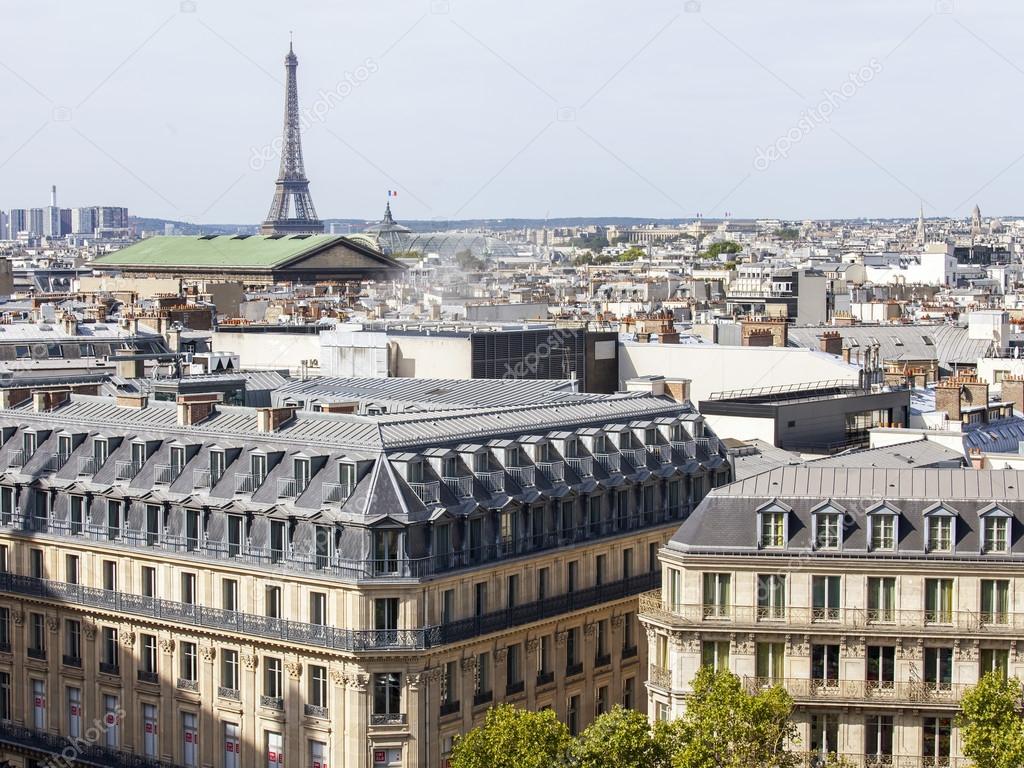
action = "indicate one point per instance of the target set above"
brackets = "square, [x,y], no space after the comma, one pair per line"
[292,211]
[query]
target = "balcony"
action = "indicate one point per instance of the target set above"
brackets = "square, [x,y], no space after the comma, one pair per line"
[708,444]
[315,710]
[494,482]
[246,482]
[603,660]
[184,684]
[571,670]
[629,652]
[57,461]
[291,487]
[148,677]
[272,702]
[637,457]
[110,668]
[554,471]
[89,465]
[661,453]
[450,708]
[859,691]
[545,678]
[71,661]
[389,718]
[18,458]
[36,653]
[659,677]
[126,470]
[428,493]
[872,620]
[482,697]
[461,486]
[514,689]
[611,462]
[686,448]
[232,694]
[203,479]
[581,465]
[524,477]
[168,473]
[335,493]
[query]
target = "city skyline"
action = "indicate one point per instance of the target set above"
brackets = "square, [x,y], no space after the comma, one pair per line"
[483,113]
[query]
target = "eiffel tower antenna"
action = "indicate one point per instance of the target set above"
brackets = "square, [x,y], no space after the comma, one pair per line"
[292,211]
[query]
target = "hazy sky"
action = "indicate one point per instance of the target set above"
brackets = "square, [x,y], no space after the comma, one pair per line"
[480,108]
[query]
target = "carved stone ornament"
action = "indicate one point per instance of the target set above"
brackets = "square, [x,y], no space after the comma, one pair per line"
[207,653]
[127,638]
[589,629]
[618,621]
[250,661]
[560,638]
[532,645]
[90,630]
[294,669]
[53,623]
[414,680]
[469,664]
[167,645]
[18,617]
[338,677]
[500,655]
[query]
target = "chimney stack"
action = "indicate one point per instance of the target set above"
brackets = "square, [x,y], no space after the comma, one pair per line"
[46,400]
[832,343]
[1013,391]
[271,419]
[197,408]
[947,398]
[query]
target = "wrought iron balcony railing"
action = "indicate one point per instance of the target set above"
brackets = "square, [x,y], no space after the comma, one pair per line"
[335,493]
[581,465]
[493,482]
[461,485]
[612,462]
[554,471]
[168,473]
[126,470]
[428,493]
[246,482]
[998,622]
[525,477]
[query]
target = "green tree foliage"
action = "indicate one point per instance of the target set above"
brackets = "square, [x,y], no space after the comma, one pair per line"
[717,249]
[593,242]
[621,738]
[991,727]
[632,254]
[726,727]
[786,233]
[514,738]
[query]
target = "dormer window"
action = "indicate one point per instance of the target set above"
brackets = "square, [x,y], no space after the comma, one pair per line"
[481,462]
[678,433]
[301,467]
[940,529]
[29,443]
[450,466]
[651,436]
[258,468]
[600,444]
[177,458]
[773,530]
[570,448]
[414,472]
[64,446]
[773,525]
[138,454]
[100,450]
[544,452]
[883,527]
[624,441]
[995,529]
[828,528]
[347,474]
[217,464]
[828,518]
[512,456]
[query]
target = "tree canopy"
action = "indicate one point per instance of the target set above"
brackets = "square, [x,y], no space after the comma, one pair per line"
[514,738]
[717,249]
[622,738]
[991,727]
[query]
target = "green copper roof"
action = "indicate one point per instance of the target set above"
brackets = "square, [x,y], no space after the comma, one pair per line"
[254,251]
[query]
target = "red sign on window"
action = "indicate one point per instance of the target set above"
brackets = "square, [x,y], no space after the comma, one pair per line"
[151,729]
[229,746]
[40,701]
[189,736]
[380,756]
[74,710]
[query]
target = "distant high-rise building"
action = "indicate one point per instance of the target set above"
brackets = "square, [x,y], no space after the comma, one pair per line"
[5,232]
[51,216]
[83,221]
[18,221]
[36,221]
[65,221]
[111,217]
[292,210]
